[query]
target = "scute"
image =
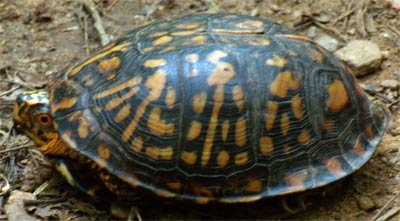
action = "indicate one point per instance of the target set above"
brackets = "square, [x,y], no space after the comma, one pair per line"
[221,107]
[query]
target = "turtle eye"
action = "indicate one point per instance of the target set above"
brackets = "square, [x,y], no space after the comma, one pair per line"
[44,119]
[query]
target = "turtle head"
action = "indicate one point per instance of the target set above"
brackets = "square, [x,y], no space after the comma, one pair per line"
[33,118]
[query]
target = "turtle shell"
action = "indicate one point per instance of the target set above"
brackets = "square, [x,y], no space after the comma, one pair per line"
[217,107]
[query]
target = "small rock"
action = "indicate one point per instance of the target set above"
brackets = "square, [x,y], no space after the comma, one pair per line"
[392,84]
[329,43]
[394,3]
[365,203]
[312,32]
[14,207]
[1,29]
[361,55]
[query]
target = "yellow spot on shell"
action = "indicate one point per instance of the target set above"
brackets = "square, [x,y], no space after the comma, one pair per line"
[157,34]
[250,24]
[266,145]
[83,127]
[328,125]
[337,96]
[116,101]
[123,113]
[222,73]
[199,39]
[160,153]
[282,83]
[183,33]
[189,157]
[241,158]
[277,61]
[192,58]
[162,40]
[170,98]
[297,107]
[222,158]
[304,137]
[157,125]
[314,54]
[296,181]
[108,50]
[188,26]
[117,88]
[174,185]
[358,148]
[199,102]
[334,166]
[111,64]
[194,130]
[225,130]
[215,56]
[155,85]
[241,132]
[103,152]
[153,63]
[238,96]
[272,110]
[285,124]
[137,144]
[254,185]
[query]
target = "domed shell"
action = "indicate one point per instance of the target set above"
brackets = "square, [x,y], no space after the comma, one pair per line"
[221,107]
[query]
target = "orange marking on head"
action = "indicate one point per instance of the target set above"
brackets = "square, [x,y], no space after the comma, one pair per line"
[334,166]
[272,109]
[253,185]
[285,124]
[199,102]
[337,96]
[277,61]
[296,180]
[121,47]
[155,85]
[194,130]
[137,144]
[241,159]
[158,126]
[192,58]
[238,96]
[65,103]
[189,157]
[297,107]
[222,158]
[153,63]
[304,137]
[282,83]
[241,132]
[225,130]
[123,113]
[162,40]
[110,64]
[118,88]
[118,100]
[170,98]
[266,145]
[103,151]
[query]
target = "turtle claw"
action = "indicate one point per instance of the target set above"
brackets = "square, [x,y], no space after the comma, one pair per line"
[301,204]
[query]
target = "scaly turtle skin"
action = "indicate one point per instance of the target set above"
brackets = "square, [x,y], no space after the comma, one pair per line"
[210,107]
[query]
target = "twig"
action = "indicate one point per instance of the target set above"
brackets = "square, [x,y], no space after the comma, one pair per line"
[388,203]
[15,148]
[98,24]
[86,36]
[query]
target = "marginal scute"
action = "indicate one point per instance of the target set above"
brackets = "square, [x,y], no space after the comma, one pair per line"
[103,151]
[296,180]
[334,166]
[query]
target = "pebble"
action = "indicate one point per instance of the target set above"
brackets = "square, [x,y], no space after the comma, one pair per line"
[394,3]
[1,29]
[312,32]
[392,84]
[362,56]
[329,43]
[365,203]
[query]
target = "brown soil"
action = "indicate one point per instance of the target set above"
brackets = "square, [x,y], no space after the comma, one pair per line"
[39,38]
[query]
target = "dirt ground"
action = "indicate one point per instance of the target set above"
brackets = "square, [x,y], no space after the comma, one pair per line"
[39,38]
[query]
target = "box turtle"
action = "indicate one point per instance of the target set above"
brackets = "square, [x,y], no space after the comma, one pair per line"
[208,107]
